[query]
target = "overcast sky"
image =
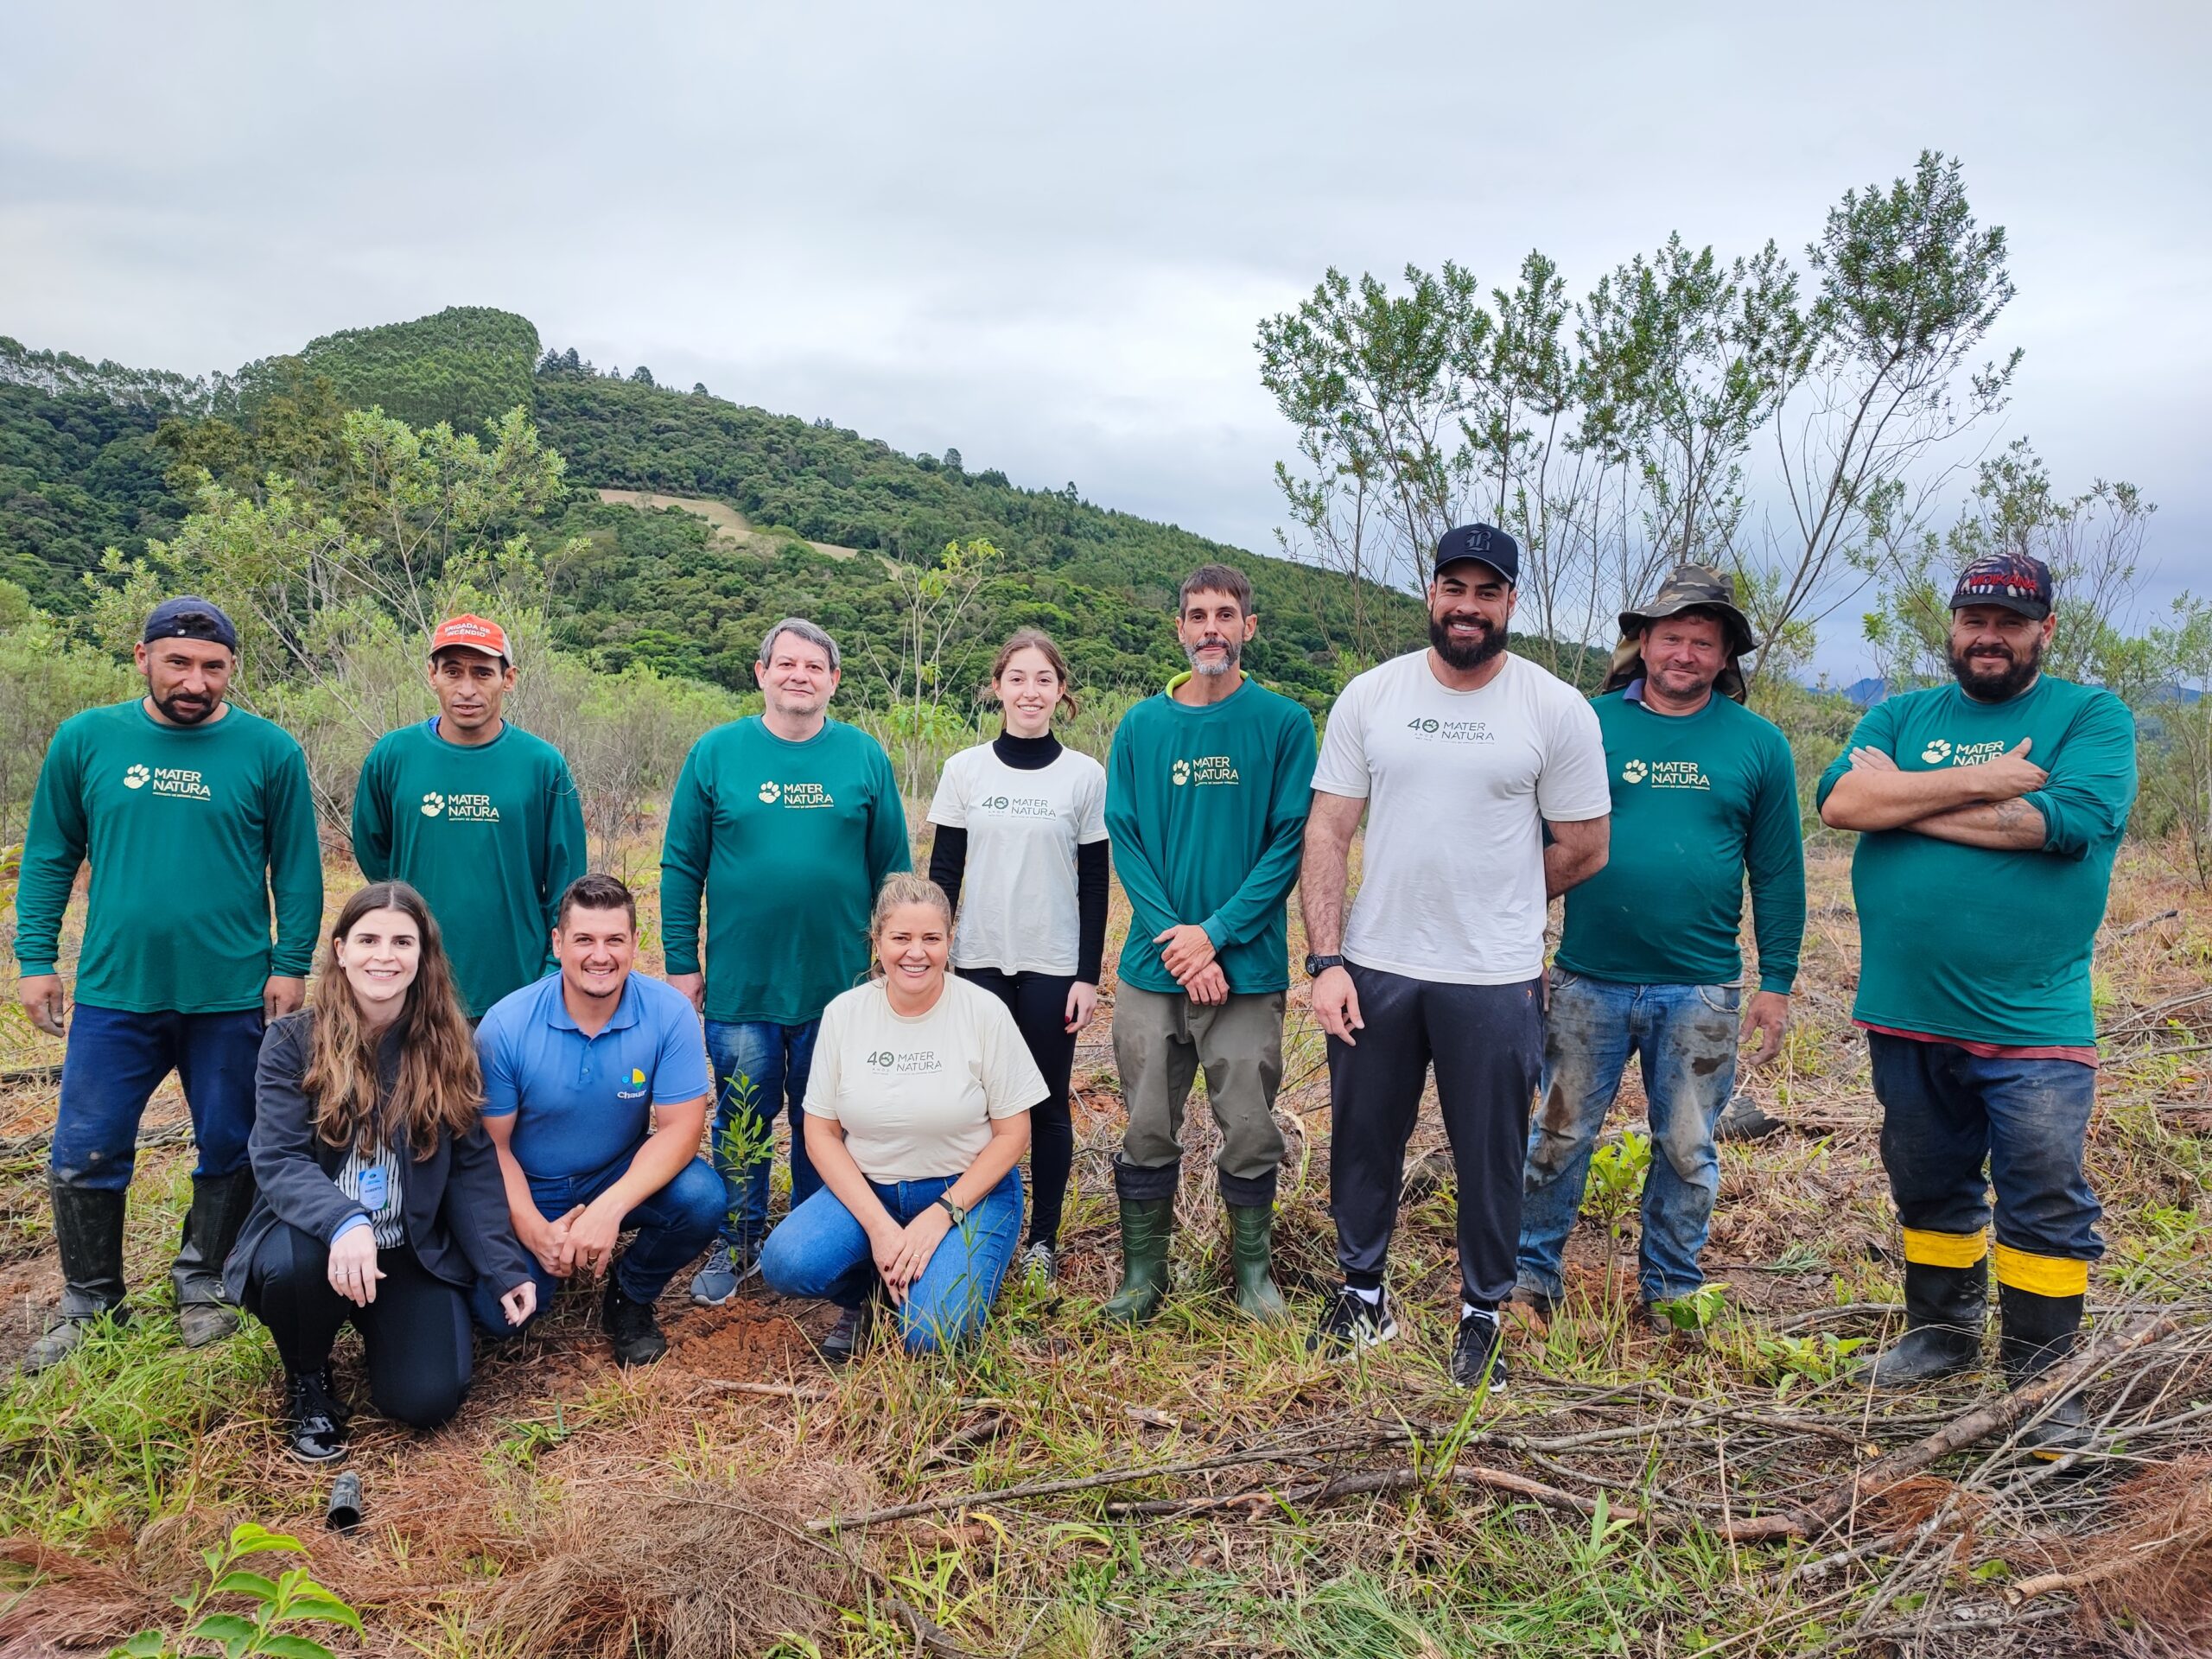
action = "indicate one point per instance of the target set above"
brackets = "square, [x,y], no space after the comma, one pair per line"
[1047,241]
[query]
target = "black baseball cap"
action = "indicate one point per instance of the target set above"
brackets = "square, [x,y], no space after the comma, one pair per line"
[1486,545]
[189,617]
[2018,582]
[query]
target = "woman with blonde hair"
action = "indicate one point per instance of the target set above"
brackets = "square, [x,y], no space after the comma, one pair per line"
[381,1200]
[1020,851]
[917,1116]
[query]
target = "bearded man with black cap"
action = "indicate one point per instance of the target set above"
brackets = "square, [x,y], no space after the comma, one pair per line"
[193,814]
[1988,814]
[1704,792]
[1463,758]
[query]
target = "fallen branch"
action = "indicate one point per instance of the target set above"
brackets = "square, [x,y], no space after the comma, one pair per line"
[1380,1480]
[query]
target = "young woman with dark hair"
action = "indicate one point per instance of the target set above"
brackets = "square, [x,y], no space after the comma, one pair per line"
[379,1198]
[1021,832]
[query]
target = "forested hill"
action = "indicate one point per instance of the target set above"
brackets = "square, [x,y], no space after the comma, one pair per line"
[86,461]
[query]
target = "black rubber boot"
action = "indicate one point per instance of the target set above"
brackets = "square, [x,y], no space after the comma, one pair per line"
[220,1204]
[2039,1332]
[1946,1311]
[88,1236]
[1251,1238]
[1148,1229]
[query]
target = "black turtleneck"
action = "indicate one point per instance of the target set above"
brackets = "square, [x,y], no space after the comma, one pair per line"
[1027,753]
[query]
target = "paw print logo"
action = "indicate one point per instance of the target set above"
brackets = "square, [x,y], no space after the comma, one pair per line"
[433,804]
[1634,772]
[135,777]
[1181,774]
[1937,752]
[771,793]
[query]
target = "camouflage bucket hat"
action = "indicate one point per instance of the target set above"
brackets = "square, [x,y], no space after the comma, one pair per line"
[1688,586]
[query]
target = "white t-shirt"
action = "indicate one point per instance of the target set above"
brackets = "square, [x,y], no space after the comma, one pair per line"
[1017,893]
[1458,785]
[917,1095]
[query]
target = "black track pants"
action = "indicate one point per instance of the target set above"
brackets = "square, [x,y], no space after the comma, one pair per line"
[1038,1003]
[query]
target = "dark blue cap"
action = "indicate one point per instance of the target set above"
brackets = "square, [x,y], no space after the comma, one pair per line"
[189,617]
[1485,543]
[2017,582]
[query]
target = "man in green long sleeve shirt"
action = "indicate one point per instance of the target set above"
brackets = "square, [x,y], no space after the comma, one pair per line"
[476,815]
[193,815]
[1704,792]
[784,823]
[1206,794]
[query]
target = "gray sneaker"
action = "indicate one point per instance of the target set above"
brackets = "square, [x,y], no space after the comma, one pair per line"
[1039,1263]
[717,1279]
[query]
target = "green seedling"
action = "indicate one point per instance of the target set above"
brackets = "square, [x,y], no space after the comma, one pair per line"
[292,1599]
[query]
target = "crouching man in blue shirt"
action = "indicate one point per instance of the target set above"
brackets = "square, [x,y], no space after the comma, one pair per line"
[595,1085]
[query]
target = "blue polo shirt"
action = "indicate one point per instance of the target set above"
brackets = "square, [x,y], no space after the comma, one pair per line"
[580,1103]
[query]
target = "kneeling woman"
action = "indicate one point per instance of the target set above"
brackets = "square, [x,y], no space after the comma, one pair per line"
[916,1116]
[380,1199]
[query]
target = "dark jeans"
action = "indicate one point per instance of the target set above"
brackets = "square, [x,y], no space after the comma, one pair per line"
[1038,1003]
[414,1336]
[1486,1043]
[114,1062]
[761,1071]
[1946,1115]
[673,1227]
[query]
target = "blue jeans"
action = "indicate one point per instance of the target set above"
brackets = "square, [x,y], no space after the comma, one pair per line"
[114,1062]
[821,1252]
[1684,1040]
[760,1071]
[673,1227]
[1946,1115]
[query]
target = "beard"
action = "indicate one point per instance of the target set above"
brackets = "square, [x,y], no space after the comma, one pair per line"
[1463,657]
[2000,688]
[1232,650]
[186,711]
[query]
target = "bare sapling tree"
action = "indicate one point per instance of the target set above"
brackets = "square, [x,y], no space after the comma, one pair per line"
[934,600]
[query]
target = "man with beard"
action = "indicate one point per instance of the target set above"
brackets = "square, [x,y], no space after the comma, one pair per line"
[1989,812]
[1205,802]
[1704,794]
[193,814]
[1462,757]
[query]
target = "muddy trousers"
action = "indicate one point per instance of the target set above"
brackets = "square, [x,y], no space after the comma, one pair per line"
[1683,1038]
[1486,1044]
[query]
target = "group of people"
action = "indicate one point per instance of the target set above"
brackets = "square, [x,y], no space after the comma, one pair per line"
[367,1157]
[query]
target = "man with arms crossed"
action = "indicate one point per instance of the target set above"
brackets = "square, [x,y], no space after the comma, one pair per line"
[193,815]
[594,1095]
[1462,756]
[1206,791]
[785,824]
[1989,812]
[476,815]
[1703,790]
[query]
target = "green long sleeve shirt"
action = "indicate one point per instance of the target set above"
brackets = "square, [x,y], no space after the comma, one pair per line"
[490,834]
[1969,942]
[786,844]
[190,831]
[1205,807]
[1699,802]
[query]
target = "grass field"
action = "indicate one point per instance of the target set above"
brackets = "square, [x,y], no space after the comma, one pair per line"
[1204,1487]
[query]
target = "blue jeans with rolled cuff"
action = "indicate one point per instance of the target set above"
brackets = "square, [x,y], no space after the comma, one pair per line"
[114,1062]
[821,1252]
[1683,1039]
[760,1073]
[673,1227]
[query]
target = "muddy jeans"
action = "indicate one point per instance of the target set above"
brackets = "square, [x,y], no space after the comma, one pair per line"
[1684,1039]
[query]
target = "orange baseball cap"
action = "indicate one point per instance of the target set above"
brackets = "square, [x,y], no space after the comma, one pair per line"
[471,633]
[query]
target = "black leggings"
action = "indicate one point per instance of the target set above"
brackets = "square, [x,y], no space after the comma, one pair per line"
[414,1336]
[1038,1003]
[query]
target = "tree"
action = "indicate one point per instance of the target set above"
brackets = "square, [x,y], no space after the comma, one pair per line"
[641,376]
[952,460]
[933,601]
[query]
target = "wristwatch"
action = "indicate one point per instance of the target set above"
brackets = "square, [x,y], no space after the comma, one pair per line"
[1316,966]
[958,1215]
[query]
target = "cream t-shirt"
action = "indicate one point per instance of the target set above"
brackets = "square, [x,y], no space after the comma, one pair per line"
[1018,911]
[917,1095]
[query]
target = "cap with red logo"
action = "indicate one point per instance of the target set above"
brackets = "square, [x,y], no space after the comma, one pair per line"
[471,633]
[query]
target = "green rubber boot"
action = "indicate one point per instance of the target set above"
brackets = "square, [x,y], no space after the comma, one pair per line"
[1251,1238]
[1147,1226]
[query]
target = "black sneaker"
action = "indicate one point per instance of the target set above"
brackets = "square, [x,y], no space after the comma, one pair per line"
[315,1423]
[1478,1354]
[849,1335]
[1350,1323]
[632,1326]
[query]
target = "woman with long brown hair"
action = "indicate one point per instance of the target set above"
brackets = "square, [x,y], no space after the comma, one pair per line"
[380,1199]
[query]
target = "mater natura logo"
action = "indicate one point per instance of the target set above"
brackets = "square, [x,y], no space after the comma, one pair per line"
[884,1060]
[433,804]
[135,777]
[1206,769]
[181,782]
[795,795]
[1633,772]
[769,792]
[1937,752]
[1180,771]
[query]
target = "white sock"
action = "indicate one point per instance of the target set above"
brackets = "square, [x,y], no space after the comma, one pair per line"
[1466,1308]
[1373,1298]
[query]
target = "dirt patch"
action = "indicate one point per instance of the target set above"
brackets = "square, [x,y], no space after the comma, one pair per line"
[726,520]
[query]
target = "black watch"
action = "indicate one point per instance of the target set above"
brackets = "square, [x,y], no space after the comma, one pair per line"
[958,1215]
[1316,966]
